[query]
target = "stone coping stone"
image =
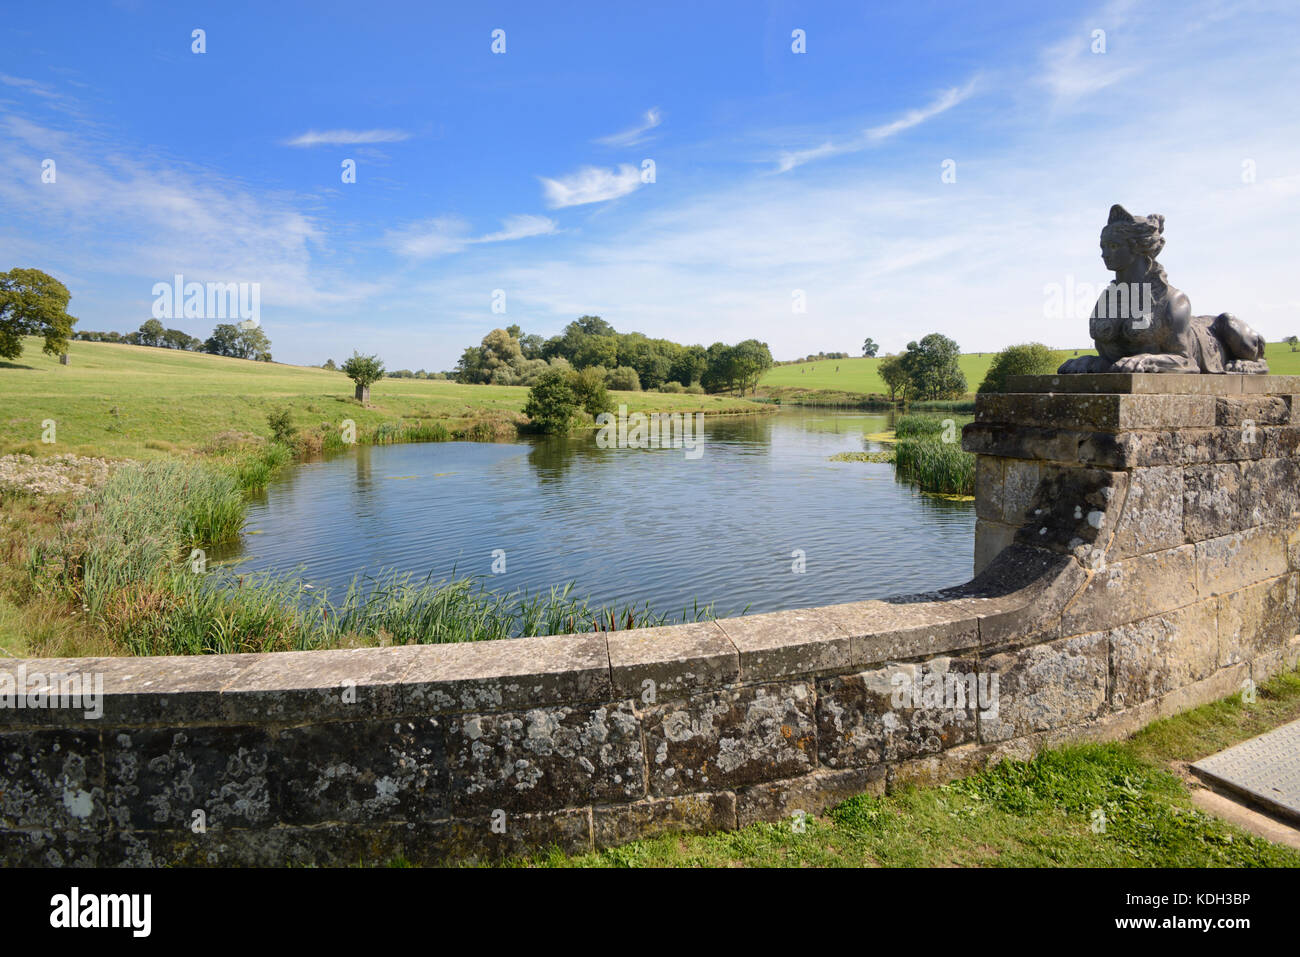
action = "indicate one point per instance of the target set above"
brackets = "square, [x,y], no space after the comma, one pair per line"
[671,661]
[508,673]
[1102,412]
[783,643]
[1155,383]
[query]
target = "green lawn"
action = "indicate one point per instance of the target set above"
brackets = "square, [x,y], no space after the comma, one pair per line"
[1040,813]
[139,402]
[860,375]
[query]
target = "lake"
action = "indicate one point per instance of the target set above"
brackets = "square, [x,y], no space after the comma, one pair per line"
[729,527]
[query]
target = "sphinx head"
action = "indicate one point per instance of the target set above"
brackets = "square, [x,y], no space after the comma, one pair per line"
[1127,237]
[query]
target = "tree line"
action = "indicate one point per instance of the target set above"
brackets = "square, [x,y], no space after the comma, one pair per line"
[227,339]
[628,361]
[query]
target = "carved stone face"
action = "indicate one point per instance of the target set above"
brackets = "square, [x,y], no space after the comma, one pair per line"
[1116,253]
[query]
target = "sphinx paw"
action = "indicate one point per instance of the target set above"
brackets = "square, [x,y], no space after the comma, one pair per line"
[1246,367]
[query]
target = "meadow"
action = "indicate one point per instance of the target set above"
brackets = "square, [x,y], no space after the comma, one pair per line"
[141,402]
[861,375]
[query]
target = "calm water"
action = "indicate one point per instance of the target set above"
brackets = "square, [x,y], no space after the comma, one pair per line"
[625,525]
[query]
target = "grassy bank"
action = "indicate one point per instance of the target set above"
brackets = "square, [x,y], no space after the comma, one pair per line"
[1039,813]
[846,381]
[138,402]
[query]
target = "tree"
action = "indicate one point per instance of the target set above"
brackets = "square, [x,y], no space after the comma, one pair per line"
[33,303]
[363,370]
[932,367]
[895,376]
[589,390]
[1293,342]
[151,333]
[329,364]
[870,347]
[230,340]
[751,359]
[1030,358]
[552,405]
[625,379]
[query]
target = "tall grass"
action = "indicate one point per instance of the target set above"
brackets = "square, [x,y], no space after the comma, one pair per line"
[935,466]
[143,521]
[224,614]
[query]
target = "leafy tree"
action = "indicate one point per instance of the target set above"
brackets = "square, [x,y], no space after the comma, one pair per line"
[1030,358]
[752,359]
[228,339]
[1293,342]
[280,419]
[176,339]
[329,364]
[363,370]
[151,333]
[895,376]
[589,390]
[870,347]
[625,379]
[689,365]
[33,303]
[932,367]
[552,405]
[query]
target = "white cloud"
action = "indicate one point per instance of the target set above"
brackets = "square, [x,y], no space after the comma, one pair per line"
[945,101]
[591,184]
[520,227]
[347,137]
[446,235]
[636,134]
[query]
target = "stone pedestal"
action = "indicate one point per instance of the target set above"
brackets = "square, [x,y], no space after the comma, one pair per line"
[1115,467]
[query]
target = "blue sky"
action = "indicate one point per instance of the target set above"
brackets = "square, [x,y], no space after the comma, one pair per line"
[774,171]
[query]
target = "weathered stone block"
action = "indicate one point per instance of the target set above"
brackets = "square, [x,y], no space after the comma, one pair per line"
[1258,619]
[896,712]
[904,627]
[1020,483]
[1043,687]
[1211,500]
[1234,561]
[1270,491]
[934,769]
[989,471]
[1134,589]
[672,661]
[1237,411]
[685,814]
[1156,655]
[158,778]
[545,758]
[785,643]
[731,738]
[507,675]
[1220,684]
[363,771]
[1074,509]
[52,780]
[812,794]
[1152,516]
[330,685]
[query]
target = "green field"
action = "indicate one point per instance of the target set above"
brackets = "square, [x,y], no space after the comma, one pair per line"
[139,402]
[860,375]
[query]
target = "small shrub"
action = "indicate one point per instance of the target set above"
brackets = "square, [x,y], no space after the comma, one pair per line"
[1030,358]
[281,422]
[624,379]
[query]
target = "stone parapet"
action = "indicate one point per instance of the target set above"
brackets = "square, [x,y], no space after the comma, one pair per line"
[1137,553]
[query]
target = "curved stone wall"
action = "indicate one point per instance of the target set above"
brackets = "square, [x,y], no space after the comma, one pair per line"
[1137,551]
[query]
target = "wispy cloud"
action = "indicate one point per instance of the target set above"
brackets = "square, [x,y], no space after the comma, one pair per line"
[31,86]
[446,235]
[1083,62]
[591,184]
[942,103]
[347,137]
[636,134]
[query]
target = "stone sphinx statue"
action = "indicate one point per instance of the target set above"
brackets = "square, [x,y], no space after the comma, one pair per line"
[1143,324]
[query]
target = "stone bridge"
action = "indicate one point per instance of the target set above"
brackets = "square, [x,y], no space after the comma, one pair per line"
[1136,554]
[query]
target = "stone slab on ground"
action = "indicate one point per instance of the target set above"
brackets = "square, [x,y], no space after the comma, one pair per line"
[1265,769]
